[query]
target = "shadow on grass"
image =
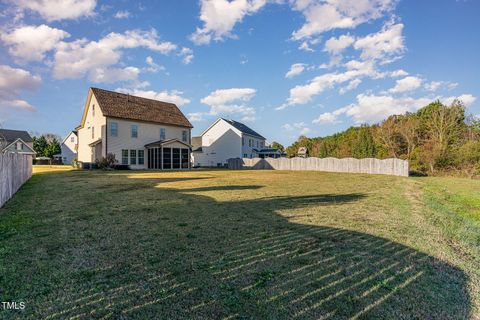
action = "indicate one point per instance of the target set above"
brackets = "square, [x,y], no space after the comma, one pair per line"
[189,256]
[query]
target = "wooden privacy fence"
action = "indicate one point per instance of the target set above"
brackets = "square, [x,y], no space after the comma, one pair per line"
[395,167]
[15,170]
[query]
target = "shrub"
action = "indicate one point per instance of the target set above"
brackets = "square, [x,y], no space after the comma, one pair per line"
[107,162]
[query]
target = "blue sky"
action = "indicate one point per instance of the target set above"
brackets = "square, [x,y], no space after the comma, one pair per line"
[285,68]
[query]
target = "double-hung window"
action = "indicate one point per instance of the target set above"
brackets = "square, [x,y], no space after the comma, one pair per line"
[113,129]
[162,134]
[184,135]
[124,156]
[134,129]
[141,157]
[133,156]
[93,133]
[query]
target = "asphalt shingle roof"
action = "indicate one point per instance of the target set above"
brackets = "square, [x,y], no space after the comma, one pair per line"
[12,135]
[125,106]
[244,129]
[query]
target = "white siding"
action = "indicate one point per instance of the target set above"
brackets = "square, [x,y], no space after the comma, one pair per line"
[219,143]
[98,122]
[247,149]
[68,148]
[147,133]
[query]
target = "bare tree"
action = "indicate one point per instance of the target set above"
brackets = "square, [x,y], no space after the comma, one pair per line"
[408,129]
[444,124]
[387,135]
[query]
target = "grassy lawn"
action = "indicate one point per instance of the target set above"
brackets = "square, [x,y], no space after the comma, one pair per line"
[240,244]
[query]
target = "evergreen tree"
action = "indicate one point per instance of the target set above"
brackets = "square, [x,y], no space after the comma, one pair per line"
[40,145]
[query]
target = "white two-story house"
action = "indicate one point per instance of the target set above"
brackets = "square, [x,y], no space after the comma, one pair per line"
[69,148]
[223,140]
[142,133]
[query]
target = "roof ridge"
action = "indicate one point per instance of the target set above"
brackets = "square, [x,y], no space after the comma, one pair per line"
[132,95]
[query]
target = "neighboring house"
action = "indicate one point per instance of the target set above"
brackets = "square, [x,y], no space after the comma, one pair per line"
[302,152]
[270,153]
[69,148]
[223,140]
[17,141]
[142,133]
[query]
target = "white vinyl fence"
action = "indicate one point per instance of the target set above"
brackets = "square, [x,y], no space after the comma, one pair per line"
[15,170]
[395,167]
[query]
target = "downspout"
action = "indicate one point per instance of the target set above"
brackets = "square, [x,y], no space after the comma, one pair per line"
[106,137]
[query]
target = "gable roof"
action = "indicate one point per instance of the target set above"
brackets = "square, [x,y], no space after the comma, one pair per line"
[12,135]
[165,142]
[14,142]
[69,134]
[125,106]
[244,129]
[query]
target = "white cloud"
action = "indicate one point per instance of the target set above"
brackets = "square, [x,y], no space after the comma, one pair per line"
[303,94]
[398,73]
[195,116]
[305,47]
[351,85]
[406,84]
[173,96]
[326,117]
[467,99]
[337,45]
[220,16]
[30,43]
[12,82]
[152,66]
[187,55]
[386,45]
[373,108]
[231,101]
[435,85]
[122,15]
[111,75]
[52,10]
[295,70]
[297,126]
[325,15]
[80,57]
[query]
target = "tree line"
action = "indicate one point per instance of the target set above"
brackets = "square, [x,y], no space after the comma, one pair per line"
[46,145]
[435,139]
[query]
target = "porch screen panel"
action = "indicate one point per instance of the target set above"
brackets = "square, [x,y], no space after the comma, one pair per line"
[149,158]
[157,158]
[176,158]
[167,158]
[185,159]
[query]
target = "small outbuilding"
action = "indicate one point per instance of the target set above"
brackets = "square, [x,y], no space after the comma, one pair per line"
[302,152]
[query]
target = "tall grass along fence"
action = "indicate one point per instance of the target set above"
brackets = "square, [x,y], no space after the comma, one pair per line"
[395,167]
[15,170]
